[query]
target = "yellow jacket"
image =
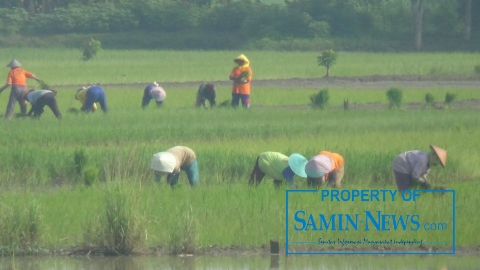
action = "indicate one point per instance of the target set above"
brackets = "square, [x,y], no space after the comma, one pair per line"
[82,96]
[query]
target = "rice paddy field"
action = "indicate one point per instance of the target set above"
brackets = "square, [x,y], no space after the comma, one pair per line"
[46,205]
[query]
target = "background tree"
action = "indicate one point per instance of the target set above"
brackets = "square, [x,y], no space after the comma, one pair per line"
[417,10]
[327,59]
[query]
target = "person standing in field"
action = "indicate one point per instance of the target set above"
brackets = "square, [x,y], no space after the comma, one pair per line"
[88,96]
[17,79]
[325,166]
[205,92]
[241,76]
[411,167]
[279,167]
[155,92]
[174,160]
[41,98]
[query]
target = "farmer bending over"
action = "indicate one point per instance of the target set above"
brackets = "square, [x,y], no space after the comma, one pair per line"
[155,92]
[174,160]
[39,99]
[206,92]
[241,76]
[88,96]
[17,78]
[278,166]
[325,166]
[411,167]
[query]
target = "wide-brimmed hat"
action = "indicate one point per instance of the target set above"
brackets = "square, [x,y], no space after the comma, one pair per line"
[318,166]
[297,163]
[14,63]
[441,154]
[158,94]
[163,162]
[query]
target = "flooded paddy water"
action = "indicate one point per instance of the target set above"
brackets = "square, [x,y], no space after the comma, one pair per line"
[332,262]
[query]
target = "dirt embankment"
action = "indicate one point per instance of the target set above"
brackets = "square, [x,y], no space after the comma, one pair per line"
[365,82]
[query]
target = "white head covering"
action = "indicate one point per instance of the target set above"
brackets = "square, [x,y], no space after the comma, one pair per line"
[155,83]
[318,166]
[14,63]
[163,162]
[158,94]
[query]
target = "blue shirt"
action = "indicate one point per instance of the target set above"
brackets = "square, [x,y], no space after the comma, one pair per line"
[35,95]
[146,94]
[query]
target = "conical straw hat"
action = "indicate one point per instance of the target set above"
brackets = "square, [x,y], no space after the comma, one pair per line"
[14,63]
[441,154]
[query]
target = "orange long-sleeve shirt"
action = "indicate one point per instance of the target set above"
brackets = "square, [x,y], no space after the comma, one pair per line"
[18,76]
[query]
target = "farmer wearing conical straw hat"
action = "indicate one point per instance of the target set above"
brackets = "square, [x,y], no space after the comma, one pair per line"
[278,166]
[205,92]
[88,96]
[325,166]
[411,167]
[17,78]
[153,91]
[174,160]
[241,76]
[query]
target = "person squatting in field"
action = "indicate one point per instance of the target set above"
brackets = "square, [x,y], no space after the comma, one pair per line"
[278,166]
[17,79]
[174,160]
[88,96]
[411,167]
[241,76]
[41,98]
[155,92]
[325,166]
[205,92]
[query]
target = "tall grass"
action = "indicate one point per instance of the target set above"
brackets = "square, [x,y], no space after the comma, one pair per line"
[20,227]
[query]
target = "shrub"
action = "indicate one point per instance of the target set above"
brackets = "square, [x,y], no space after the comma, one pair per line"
[327,59]
[320,100]
[90,175]
[449,98]
[429,100]
[477,70]
[395,97]
[91,48]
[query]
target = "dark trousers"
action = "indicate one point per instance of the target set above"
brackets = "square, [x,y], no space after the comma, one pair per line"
[46,100]
[245,100]
[95,94]
[16,95]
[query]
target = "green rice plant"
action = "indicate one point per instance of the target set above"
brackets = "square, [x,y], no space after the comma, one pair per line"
[395,97]
[449,98]
[20,228]
[121,227]
[225,103]
[183,233]
[90,175]
[320,100]
[429,100]
[80,159]
[44,85]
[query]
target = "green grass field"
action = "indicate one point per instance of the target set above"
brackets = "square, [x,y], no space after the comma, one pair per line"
[63,66]
[38,177]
